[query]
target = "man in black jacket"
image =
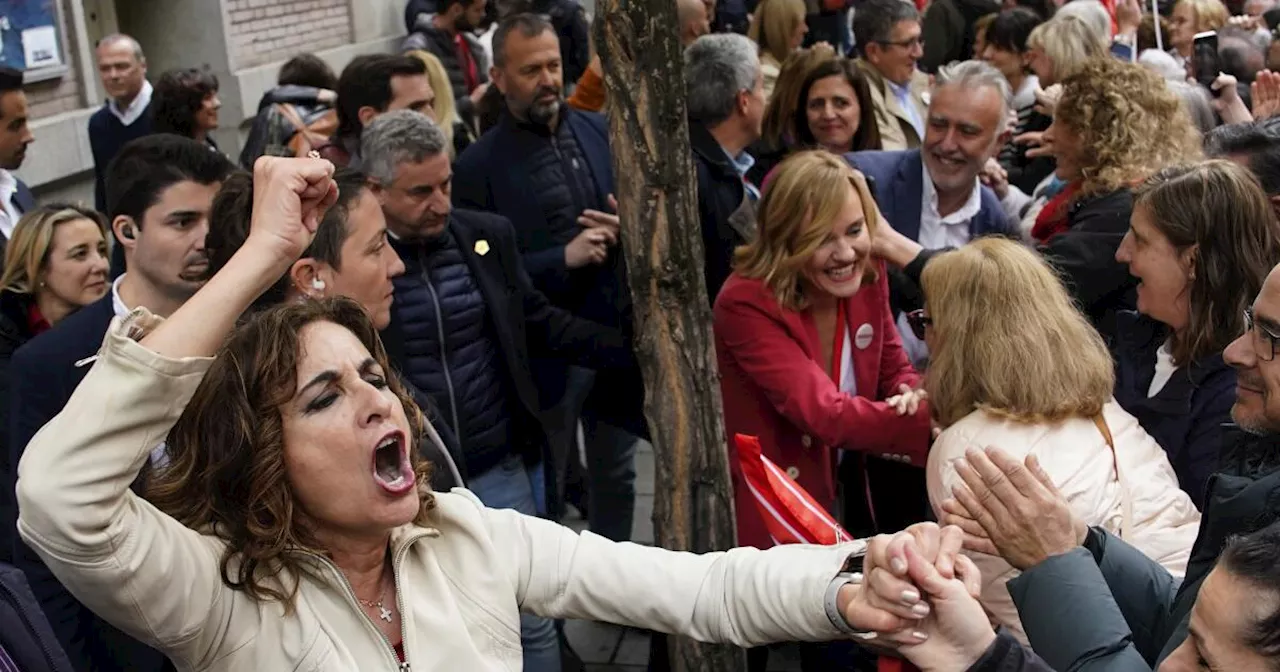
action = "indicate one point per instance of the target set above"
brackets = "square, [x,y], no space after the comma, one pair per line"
[547,168]
[1087,599]
[466,323]
[725,114]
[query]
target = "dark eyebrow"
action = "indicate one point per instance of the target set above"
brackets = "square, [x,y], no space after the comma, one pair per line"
[1271,326]
[323,378]
[183,214]
[326,377]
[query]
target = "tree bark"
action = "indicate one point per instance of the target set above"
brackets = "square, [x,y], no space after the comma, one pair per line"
[661,241]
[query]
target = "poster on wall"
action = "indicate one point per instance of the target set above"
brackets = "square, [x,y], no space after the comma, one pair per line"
[29,38]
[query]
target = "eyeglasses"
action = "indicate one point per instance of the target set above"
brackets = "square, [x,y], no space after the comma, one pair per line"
[1264,342]
[918,321]
[917,41]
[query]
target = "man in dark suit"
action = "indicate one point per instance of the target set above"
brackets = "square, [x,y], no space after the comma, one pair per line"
[466,325]
[159,191]
[547,168]
[15,137]
[932,195]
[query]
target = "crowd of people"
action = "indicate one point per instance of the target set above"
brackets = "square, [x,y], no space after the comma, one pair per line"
[994,284]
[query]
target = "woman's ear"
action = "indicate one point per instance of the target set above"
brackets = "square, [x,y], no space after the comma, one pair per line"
[306,278]
[1188,258]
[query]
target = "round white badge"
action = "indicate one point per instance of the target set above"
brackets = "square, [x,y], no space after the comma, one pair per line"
[862,337]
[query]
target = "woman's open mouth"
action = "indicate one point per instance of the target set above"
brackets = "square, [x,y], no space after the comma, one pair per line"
[391,467]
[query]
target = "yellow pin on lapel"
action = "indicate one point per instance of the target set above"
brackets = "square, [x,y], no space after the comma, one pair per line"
[482,247]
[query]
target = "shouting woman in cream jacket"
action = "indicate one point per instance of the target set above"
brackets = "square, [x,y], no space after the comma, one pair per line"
[292,528]
[1016,366]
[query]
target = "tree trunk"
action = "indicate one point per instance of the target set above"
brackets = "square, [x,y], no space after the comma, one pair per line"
[661,241]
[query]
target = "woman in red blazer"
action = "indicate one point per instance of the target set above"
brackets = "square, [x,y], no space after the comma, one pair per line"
[810,359]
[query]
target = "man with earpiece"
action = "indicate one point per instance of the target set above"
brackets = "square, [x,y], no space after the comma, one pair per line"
[159,192]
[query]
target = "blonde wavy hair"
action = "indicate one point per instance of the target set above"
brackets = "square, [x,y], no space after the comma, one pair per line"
[1008,339]
[1068,42]
[794,219]
[1210,14]
[1130,124]
[774,23]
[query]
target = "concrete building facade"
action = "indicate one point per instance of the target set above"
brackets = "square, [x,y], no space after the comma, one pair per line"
[243,42]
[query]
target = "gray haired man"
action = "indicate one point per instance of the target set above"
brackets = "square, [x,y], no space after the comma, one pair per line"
[466,322]
[932,195]
[725,92]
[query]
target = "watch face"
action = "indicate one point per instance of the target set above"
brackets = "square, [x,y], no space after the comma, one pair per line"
[853,565]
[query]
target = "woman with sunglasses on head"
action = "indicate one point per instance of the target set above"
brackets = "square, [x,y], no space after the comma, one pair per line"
[1201,241]
[810,360]
[1016,366]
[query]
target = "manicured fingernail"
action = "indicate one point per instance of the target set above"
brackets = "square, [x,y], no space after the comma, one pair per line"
[920,636]
[920,610]
[899,566]
[910,596]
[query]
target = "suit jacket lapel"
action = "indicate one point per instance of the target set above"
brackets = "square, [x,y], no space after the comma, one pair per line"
[596,151]
[866,361]
[495,299]
[23,198]
[908,195]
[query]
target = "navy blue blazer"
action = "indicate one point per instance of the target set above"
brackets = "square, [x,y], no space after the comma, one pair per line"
[899,193]
[44,375]
[1188,415]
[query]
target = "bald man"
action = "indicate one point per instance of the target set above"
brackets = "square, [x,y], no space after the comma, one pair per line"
[694,22]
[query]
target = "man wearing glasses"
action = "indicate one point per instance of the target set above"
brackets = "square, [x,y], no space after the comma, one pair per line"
[887,37]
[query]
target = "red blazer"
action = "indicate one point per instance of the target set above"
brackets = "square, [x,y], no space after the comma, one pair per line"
[775,388]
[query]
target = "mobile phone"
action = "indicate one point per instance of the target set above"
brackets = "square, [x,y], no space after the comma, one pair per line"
[1204,59]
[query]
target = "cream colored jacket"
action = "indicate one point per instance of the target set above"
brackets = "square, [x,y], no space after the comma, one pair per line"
[462,582]
[1076,456]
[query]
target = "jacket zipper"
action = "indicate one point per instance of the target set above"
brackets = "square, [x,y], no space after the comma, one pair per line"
[13,599]
[444,352]
[351,595]
[570,173]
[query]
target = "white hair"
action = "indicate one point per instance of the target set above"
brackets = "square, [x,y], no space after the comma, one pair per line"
[1092,13]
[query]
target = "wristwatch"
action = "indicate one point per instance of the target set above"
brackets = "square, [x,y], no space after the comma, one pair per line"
[850,573]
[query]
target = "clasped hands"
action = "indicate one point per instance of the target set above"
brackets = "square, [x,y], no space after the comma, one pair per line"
[919,596]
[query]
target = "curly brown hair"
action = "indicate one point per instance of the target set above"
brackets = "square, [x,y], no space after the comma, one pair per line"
[1130,124]
[226,474]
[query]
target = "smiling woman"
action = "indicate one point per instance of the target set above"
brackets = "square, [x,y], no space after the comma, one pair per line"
[1200,243]
[810,360]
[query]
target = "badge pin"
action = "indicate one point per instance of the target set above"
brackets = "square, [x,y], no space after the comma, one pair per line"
[862,337]
[482,247]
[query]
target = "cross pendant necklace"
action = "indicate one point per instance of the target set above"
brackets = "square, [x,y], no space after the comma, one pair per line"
[383,612]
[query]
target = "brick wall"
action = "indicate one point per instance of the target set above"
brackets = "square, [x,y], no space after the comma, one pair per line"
[56,96]
[263,31]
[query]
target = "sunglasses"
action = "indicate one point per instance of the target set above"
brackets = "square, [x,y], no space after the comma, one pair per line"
[918,322]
